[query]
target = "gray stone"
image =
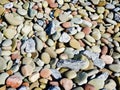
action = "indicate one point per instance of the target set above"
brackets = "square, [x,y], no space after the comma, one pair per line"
[3,77]
[7,42]
[103,75]
[56,74]
[2,64]
[76,20]
[110,6]
[115,67]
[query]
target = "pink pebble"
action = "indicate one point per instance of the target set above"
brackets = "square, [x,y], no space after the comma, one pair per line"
[107,59]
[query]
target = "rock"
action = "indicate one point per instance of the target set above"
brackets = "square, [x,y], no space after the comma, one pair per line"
[3,1]
[81,78]
[97,86]
[96,49]
[89,9]
[2,64]
[100,10]
[51,52]
[23,88]
[32,12]
[7,42]
[89,87]
[87,30]
[27,28]
[69,52]
[74,44]
[3,77]
[56,74]
[104,50]
[104,75]
[86,23]
[107,59]
[110,85]
[45,57]
[64,17]
[95,2]
[45,73]
[67,24]
[14,81]
[1,9]
[54,88]
[79,35]
[10,33]
[111,21]
[39,44]
[22,11]
[27,70]
[96,34]
[76,20]
[64,38]
[43,80]
[71,74]
[14,19]
[114,67]
[117,17]
[61,2]
[90,38]
[34,77]
[71,64]
[3,87]
[8,5]
[66,83]
[78,88]
[110,6]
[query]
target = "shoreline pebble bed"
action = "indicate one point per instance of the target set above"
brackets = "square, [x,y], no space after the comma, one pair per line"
[59,45]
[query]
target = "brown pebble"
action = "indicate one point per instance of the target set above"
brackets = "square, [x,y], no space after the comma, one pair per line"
[89,87]
[45,73]
[15,56]
[107,59]
[50,1]
[66,83]
[87,30]
[10,72]
[25,84]
[67,24]
[53,5]
[104,50]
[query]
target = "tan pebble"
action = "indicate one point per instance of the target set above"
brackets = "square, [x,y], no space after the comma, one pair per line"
[80,35]
[60,50]
[50,1]
[45,73]
[1,10]
[67,24]
[45,4]
[44,80]
[57,12]
[89,87]
[74,43]
[3,87]
[107,59]
[34,77]
[37,88]
[45,57]
[54,83]
[104,50]
[102,3]
[66,83]
[87,30]
[43,86]
[51,52]
[53,5]
[90,38]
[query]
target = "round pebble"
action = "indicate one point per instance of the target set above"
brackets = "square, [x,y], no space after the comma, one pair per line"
[45,73]
[45,57]
[71,74]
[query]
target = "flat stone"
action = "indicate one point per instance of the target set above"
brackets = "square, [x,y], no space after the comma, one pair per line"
[64,38]
[111,21]
[71,74]
[34,77]
[99,85]
[56,74]
[2,64]
[51,52]
[14,19]
[110,6]
[74,44]
[79,35]
[114,67]
[107,59]
[22,11]
[95,2]
[3,77]
[8,5]
[81,78]
[7,42]
[45,57]
[1,10]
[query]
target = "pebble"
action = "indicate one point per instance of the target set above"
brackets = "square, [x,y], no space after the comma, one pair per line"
[99,85]
[79,35]
[107,59]
[89,9]
[96,34]
[100,10]
[110,6]
[22,11]
[32,12]
[7,42]
[110,85]
[3,64]
[8,5]
[14,81]
[56,74]
[86,23]
[90,38]
[51,52]
[1,10]
[95,2]
[67,25]
[39,44]
[34,77]
[3,88]
[74,43]
[96,49]
[45,73]
[89,87]
[3,77]
[77,20]
[64,38]
[61,2]
[66,83]
[114,67]
[54,88]
[14,19]
[117,17]
[81,78]
[71,74]
[45,57]
[78,88]
[111,21]
[87,30]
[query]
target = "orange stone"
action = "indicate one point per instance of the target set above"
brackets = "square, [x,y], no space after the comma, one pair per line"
[87,30]
[67,24]
[81,43]
[45,73]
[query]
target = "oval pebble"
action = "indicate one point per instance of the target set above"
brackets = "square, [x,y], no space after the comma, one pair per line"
[115,67]
[45,73]
[107,59]
[7,42]
[45,57]
[71,74]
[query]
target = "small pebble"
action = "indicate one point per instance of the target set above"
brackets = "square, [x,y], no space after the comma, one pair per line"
[45,73]
[74,43]
[67,25]
[107,59]
[3,77]
[71,74]
[87,30]
[34,77]
[89,87]
[64,38]
[8,5]
[114,67]
[45,57]
[110,6]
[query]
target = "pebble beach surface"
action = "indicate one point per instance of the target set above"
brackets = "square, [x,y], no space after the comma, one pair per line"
[59,45]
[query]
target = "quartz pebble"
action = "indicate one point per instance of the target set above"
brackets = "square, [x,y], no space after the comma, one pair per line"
[64,38]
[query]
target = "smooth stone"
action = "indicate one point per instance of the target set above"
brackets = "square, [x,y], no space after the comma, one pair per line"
[66,83]
[86,23]
[33,85]
[34,77]
[89,87]
[92,72]
[39,62]
[50,42]
[67,24]
[51,52]
[2,64]
[22,11]
[79,35]
[42,36]
[107,59]
[1,10]
[32,12]
[56,74]
[71,74]
[96,49]
[95,2]
[8,5]
[69,52]
[3,87]
[90,38]
[110,6]
[78,88]
[45,4]
[7,42]
[14,19]
[81,78]
[61,2]
[27,70]
[76,20]
[99,85]
[64,17]
[64,38]
[96,34]
[74,44]
[60,50]
[3,1]
[39,44]
[45,73]
[45,57]
[27,28]
[3,77]
[54,88]
[117,17]
[86,30]
[100,10]
[111,21]
[9,33]
[89,9]
[114,67]
[43,80]
[14,81]
[23,88]
[110,85]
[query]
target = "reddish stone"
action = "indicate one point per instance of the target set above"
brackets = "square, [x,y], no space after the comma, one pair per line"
[89,87]
[67,24]
[104,50]
[87,30]
[53,5]
[107,59]
[45,73]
